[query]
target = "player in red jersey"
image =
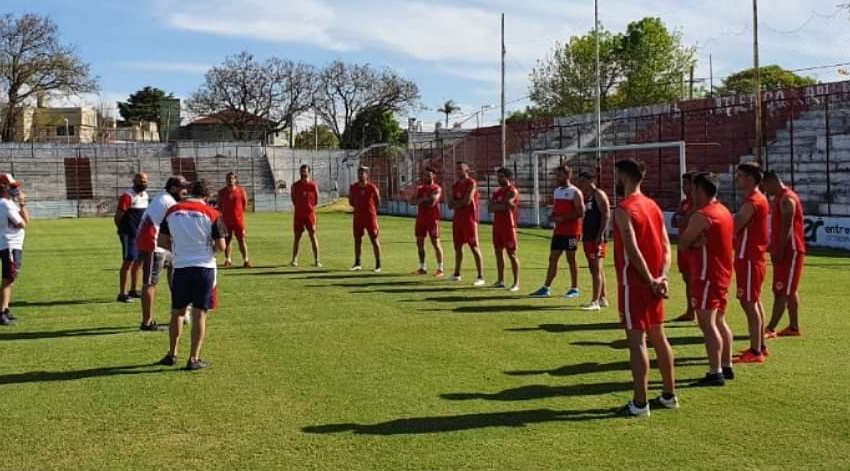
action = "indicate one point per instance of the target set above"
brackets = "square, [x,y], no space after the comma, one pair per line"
[428,197]
[128,217]
[787,252]
[683,255]
[597,216]
[751,242]
[642,260]
[464,202]
[504,203]
[365,198]
[305,197]
[232,202]
[567,214]
[711,230]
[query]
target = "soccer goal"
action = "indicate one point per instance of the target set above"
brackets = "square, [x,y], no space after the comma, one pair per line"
[665,162]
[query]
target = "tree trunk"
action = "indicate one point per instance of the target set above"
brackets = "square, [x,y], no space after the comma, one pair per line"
[10,120]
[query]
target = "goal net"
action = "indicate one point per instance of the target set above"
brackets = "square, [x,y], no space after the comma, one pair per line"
[665,163]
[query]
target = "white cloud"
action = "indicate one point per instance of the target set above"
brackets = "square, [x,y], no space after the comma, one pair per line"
[171,67]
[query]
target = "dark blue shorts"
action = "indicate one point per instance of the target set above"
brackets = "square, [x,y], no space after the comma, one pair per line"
[11,260]
[129,252]
[194,286]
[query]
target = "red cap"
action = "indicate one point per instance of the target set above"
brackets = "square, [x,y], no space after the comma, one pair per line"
[8,179]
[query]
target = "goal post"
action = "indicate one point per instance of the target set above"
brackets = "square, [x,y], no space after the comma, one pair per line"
[570,153]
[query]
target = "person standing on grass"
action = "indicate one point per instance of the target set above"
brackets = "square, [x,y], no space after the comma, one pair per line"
[464,202]
[504,203]
[711,230]
[365,198]
[642,260]
[684,257]
[787,252]
[154,257]
[195,232]
[597,216]
[128,216]
[14,218]
[232,201]
[752,229]
[305,198]
[428,197]
[567,214]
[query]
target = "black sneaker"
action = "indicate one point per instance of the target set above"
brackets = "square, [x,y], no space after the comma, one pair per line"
[194,365]
[168,360]
[134,294]
[4,320]
[152,327]
[124,298]
[728,373]
[711,379]
[9,314]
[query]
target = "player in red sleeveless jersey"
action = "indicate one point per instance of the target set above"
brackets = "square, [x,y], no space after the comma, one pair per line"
[232,202]
[751,242]
[365,198]
[464,202]
[428,196]
[711,230]
[504,203]
[642,260]
[787,252]
[305,198]
[683,255]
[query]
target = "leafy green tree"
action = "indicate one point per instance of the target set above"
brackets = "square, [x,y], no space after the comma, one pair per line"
[372,126]
[306,139]
[143,105]
[772,77]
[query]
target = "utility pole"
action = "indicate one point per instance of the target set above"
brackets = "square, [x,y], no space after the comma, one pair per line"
[504,133]
[598,89]
[757,81]
[710,75]
[691,87]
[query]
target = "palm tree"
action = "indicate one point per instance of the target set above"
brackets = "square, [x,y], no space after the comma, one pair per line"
[449,108]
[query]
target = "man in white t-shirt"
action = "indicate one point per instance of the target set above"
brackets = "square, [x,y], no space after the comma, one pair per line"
[195,232]
[154,258]
[13,219]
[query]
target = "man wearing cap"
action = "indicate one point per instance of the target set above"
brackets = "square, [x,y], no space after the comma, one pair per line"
[151,253]
[128,216]
[13,219]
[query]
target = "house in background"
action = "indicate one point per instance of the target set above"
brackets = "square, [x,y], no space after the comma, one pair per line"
[214,128]
[61,125]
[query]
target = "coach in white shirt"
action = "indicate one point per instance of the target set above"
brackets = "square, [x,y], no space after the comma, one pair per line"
[13,219]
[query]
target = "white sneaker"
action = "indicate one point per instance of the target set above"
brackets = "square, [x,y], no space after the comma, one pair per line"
[318,264]
[499,285]
[455,278]
[591,306]
[631,410]
[356,268]
[513,289]
[479,282]
[378,270]
[293,263]
[603,302]
[659,402]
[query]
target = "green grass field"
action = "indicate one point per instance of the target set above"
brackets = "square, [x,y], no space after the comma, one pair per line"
[325,369]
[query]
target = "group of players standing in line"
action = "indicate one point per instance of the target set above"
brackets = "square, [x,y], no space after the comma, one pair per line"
[180,230]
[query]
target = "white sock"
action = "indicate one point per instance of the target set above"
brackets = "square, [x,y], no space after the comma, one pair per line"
[719,371]
[440,267]
[422,266]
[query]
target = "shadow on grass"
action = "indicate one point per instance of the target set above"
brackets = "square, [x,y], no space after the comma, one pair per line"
[561,328]
[541,391]
[54,334]
[621,344]
[455,423]
[378,284]
[464,299]
[503,308]
[593,367]
[62,302]
[289,272]
[345,276]
[407,290]
[47,376]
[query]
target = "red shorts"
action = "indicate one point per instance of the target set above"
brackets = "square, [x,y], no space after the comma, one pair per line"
[365,225]
[235,228]
[640,308]
[427,228]
[504,238]
[787,274]
[594,250]
[465,233]
[682,262]
[708,295]
[750,277]
[304,221]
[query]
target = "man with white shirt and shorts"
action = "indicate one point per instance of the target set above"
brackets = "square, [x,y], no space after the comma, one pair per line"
[13,219]
[153,256]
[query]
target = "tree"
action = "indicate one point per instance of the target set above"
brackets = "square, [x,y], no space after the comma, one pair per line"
[347,90]
[373,126]
[449,108]
[144,105]
[306,139]
[246,94]
[33,63]
[772,77]
[645,65]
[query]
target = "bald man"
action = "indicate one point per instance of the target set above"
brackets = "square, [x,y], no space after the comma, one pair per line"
[128,217]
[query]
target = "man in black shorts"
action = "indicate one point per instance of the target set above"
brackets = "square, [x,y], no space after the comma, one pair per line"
[13,219]
[597,215]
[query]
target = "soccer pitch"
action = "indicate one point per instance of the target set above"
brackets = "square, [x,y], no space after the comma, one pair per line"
[327,369]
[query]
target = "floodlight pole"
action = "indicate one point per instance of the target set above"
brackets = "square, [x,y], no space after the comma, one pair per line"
[504,133]
[757,81]
[598,88]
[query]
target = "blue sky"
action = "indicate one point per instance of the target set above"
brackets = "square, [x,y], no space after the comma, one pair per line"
[450,48]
